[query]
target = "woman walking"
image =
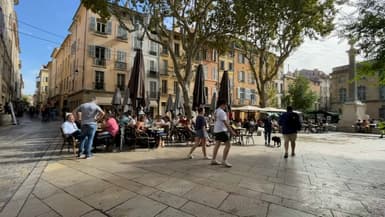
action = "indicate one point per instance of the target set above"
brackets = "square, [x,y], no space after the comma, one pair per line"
[200,134]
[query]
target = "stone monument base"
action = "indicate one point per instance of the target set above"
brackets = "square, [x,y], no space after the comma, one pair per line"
[351,112]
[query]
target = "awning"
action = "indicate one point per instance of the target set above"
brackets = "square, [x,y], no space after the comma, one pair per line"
[103,100]
[153,103]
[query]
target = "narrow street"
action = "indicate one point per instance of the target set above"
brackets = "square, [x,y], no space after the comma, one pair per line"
[22,147]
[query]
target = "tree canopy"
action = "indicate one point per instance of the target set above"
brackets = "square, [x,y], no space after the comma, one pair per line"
[271,30]
[197,24]
[300,96]
[368,30]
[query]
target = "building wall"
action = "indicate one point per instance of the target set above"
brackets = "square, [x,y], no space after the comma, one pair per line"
[374,96]
[10,64]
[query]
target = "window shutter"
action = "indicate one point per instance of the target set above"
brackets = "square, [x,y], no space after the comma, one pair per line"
[92,23]
[124,54]
[245,79]
[108,53]
[238,92]
[91,50]
[109,27]
[239,76]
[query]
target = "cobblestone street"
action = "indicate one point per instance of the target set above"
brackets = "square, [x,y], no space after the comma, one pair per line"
[332,175]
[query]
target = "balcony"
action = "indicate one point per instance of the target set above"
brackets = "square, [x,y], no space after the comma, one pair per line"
[152,52]
[99,62]
[121,65]
[122,37]
[152,74]
[99,85]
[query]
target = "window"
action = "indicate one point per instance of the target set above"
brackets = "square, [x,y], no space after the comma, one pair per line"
[153,89]
[382,92]
[99,80]
[230,66]
[215,73]
[121,82]
[342,94]
[152,66]
[100,54]
[241,58]
[222,65]
[121,56]
[361,93]
[153,48]
[165,67]
[122,33]
[381,112]
[103,27]
[164,50]
[242,93]
[176,49]
[45,89]
[206,94]
[241,76]
[137,43]
[231,53]
[214,56]
[164,86]
[175,86]
[205,72]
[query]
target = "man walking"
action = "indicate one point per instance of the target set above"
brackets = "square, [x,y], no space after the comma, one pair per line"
[90,113]
[290,123]
[267,126]
[221,129]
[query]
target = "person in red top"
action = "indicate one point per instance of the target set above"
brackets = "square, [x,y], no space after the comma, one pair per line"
[110,125]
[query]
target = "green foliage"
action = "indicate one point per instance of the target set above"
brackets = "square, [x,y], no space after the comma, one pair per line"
[272,96]
[273,29]
[300,96]
[369,32]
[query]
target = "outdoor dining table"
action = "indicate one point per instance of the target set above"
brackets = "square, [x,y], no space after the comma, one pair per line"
[239,131]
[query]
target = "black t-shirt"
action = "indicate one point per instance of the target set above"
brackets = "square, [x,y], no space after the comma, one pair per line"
[200,123]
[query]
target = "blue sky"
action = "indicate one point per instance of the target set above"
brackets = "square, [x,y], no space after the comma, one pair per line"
[53,16]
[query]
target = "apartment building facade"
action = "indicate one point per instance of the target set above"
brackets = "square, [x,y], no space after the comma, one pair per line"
[42,86]
[11,82]
[97,56]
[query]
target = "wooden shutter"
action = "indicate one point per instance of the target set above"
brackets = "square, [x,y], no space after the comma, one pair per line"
[108,53]
[238,92]
[92,24]
[91,50]
[109,27]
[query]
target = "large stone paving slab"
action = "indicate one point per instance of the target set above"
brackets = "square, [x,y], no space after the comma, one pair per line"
[138,207]
[243,206]
[206,195]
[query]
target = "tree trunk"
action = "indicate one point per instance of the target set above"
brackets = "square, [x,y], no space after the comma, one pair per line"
[186,97]
[262,96]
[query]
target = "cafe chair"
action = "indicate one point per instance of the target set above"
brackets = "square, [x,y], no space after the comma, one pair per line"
[143,139]
[70,141]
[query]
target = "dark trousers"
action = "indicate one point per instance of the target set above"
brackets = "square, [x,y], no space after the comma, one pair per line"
[267,136]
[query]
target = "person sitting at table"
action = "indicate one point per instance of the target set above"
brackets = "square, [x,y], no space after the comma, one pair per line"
[159,122]
[110,126]
[140,124]
[125,119]
[70,128]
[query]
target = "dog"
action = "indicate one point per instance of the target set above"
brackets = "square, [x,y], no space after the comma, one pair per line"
[277,141]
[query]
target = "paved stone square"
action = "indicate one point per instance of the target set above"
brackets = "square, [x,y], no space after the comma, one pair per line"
[332,175]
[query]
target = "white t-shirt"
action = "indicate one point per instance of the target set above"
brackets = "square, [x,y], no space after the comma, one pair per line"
[220,116]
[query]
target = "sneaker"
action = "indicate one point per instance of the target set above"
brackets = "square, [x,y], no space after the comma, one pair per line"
[214,162]
[227,164]
[89,157]
[81,156]
[292,154]
[207,158]
[286,155]
[190,156]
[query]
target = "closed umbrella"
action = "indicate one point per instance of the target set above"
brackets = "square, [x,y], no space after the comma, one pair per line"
[169,104]
[213,102]
[178,105]
[116,100]
[136,83]
[199,97]
[224,89]
[127,104]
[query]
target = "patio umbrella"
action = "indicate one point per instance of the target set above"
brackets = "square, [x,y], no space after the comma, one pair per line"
[213,102]
[127,104]
[169,104]
[178,105]
[116,100]
[199,97]
[136,83]
[224,89]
